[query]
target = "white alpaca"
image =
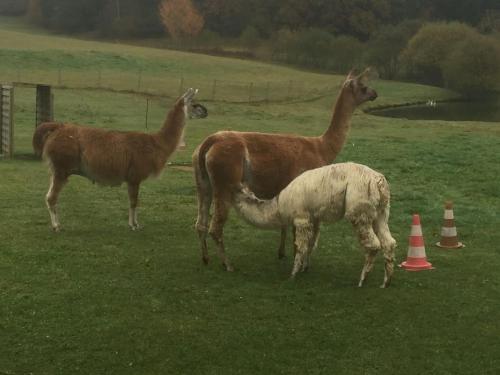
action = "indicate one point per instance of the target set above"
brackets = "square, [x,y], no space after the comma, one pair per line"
[329,193]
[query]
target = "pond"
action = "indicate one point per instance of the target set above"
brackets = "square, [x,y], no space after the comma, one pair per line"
[453,111]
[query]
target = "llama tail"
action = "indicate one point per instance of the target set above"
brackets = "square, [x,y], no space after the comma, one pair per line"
[41,134]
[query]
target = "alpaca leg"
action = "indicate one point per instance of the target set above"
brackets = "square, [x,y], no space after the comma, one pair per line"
[388,245]
[369,259]
[304,234]
[312,245]
[204,203]
[281,249]
[219,218]
[371,243]
[57,182]
[133,196]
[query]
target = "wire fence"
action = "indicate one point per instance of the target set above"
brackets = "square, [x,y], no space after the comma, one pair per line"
[212,89]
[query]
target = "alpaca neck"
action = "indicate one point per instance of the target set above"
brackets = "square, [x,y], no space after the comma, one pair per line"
[172,130]
[335,136]
[261,213]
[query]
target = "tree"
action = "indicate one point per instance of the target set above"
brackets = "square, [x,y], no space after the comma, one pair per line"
[385,46]
[181,18]
[13,7]
[473,67]
[429,48]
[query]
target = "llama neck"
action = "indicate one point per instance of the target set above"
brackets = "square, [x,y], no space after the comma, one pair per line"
[335,136]
[172,130]
[261,213]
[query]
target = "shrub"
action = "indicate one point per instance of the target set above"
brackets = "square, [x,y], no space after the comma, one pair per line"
[473,67]
[429,47]
[250,37]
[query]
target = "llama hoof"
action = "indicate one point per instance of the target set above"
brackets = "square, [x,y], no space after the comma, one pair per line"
[56,229]
[134,227]
[205,260]
[229,268]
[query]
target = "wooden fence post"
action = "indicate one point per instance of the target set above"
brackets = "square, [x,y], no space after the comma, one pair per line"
[139,79]
[250,92]
[99,77]
[181,86]
[290,86]
[214,87]
[44,104]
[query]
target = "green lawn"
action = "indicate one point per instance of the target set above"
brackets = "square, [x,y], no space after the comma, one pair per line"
[98,298]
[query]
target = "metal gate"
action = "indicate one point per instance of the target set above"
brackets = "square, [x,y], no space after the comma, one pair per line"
[6,121]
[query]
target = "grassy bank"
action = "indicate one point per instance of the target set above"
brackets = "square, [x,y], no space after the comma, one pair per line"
[100,299]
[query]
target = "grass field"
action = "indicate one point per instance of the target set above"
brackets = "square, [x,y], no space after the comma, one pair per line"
[98,298]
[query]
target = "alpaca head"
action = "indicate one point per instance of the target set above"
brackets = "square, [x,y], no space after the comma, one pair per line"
[356,87]
[243,193]
[192,110]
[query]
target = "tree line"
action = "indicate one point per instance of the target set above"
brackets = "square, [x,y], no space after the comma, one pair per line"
[230,18]
[450,43]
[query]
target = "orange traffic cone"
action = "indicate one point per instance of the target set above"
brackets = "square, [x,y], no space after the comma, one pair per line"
[416,259]
[449,238]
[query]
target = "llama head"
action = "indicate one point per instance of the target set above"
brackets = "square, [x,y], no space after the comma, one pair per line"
[356,86]
[191,109]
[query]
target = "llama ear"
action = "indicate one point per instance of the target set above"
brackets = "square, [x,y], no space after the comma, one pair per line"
[189,94]
[367,75]
[351,74]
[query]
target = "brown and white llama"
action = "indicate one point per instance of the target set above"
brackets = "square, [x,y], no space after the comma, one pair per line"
[328,194]
[266,162]
[109,157]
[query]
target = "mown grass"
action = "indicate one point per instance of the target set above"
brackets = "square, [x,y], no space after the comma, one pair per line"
[100,299]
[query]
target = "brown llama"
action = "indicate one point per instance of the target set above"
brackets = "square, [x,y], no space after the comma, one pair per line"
[109,157]
[266,163]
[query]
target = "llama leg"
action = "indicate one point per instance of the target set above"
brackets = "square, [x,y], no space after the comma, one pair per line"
[281,249]
[219,218]
[204,203]
[388,245]
[312,245]
[133,196]
[56,184]
[304,234]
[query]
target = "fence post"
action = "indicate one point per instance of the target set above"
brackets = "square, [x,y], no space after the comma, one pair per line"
[250,89]
[99,77]
[147,112]
[267,92]
[181,86]
[139,79]
[214,87]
